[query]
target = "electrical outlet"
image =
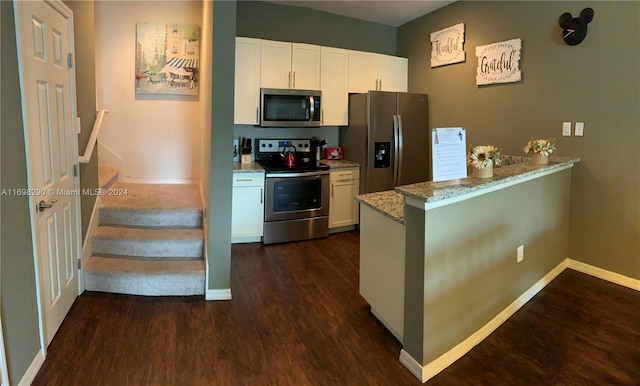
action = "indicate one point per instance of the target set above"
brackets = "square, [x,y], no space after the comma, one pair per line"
[520,254]
[566,129]
[579,129]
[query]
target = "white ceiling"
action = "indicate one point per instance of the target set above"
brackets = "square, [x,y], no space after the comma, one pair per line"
[388,12]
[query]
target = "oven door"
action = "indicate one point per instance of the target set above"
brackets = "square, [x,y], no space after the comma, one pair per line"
[290,196]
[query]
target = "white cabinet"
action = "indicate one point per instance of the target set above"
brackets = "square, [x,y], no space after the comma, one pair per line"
[334,83]
[289,65]
[343,208]
[371,71]
[247,208]
[247,82]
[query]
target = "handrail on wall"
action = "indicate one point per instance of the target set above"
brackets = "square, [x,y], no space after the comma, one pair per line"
[88,151]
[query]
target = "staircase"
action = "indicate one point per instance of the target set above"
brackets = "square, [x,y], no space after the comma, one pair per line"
[149,241]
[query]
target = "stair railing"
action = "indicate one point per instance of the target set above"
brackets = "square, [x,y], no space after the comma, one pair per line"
[88,151]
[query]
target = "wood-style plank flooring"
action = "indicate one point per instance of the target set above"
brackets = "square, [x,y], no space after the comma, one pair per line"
[296,318]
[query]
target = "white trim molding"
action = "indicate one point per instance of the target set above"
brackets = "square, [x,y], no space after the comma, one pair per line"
[604,274]
[87,244]
[97,124]
[428,371]
[218,294]
[4,370]
[33,369]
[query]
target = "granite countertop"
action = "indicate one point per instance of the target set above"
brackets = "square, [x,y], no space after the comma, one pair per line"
[339,163]
[513,169]
[247,168]
[389,203]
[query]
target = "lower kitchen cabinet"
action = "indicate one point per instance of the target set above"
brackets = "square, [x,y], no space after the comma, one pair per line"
[247,213]
[343,208]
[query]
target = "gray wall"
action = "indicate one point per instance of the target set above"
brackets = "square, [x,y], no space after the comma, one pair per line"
[461,269]
[18,288]
[222,84]
[258,19]
[84,38]
[596,82]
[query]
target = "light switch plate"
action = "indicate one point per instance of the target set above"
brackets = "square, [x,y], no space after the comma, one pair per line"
[78,126]
[579,129]
[566,129]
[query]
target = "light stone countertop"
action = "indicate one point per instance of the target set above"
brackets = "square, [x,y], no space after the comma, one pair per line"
[252,167]
[514,168]
[391,203]
[339,163]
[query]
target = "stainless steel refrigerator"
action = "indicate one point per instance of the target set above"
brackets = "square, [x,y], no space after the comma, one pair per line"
[388,134]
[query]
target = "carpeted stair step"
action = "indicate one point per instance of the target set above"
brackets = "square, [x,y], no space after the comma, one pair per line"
[107,176]
[144,242]
[144,277]
[152,205]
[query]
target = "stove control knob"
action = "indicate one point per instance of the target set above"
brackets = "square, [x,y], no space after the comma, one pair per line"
[263,145]
[270,145]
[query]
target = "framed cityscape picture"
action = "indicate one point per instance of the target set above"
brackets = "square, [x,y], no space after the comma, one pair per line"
[167,58]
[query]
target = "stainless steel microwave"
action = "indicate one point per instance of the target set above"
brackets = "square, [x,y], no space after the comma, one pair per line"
[290,108]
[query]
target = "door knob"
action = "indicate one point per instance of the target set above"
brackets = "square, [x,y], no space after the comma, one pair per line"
[42,206]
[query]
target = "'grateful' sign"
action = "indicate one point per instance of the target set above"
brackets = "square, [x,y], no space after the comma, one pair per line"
[447,46]
[499,62]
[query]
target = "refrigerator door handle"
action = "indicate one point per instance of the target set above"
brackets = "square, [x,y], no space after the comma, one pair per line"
[396,150]
[400,146]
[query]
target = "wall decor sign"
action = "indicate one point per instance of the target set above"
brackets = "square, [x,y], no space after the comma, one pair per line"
[167,58]
[499,62]
[447,46]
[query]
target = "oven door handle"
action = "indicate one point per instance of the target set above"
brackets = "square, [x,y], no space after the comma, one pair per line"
[292,175]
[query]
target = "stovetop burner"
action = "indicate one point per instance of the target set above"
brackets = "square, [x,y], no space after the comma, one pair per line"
[269,156]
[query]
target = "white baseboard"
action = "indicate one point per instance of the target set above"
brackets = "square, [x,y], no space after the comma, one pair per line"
[138,180]
[218,294]
[33,369]
[428,371]
[604,274]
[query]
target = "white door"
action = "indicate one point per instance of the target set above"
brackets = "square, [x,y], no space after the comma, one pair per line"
[334,83]
[305,66]
[275,64]
[247,82]
[363,71]
[45,38]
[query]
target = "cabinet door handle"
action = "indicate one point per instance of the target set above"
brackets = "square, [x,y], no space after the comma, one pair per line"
[294,79]
[261,195]
[258,114]
[289,84]
[244,179]
[331,190]
[380,84]
[322,116]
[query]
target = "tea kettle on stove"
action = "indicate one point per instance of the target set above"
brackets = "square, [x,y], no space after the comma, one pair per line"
[288,156]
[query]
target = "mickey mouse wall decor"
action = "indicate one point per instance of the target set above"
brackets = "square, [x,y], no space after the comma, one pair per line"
[574,29]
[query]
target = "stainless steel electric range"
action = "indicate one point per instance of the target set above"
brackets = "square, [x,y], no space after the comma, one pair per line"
[296,196]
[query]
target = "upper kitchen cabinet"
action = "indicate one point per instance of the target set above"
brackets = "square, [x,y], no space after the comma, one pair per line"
[247,81]
[334,83]
[290,65]
[371,71]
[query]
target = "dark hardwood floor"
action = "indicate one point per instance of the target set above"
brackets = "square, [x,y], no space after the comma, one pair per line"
[296,318]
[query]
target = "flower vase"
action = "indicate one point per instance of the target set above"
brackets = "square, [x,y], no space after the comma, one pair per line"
[487,172]
[539,159]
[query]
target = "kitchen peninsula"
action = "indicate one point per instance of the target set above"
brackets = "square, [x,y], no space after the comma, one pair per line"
[439,261]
